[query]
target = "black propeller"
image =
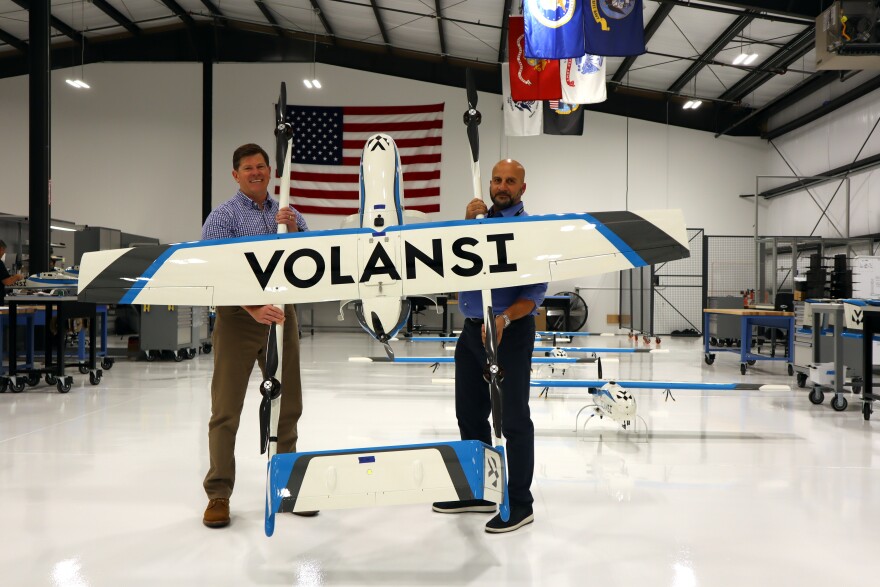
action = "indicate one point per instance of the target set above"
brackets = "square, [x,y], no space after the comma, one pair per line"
[472,116]
[493,373]
[283,131]
[270,390]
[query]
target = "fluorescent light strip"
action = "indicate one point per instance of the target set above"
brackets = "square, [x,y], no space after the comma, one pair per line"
[64,228]
[307,83]
[740,58]
[750,59]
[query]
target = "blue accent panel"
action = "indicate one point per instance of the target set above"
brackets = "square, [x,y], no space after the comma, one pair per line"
[855,302]
[280,468]
[586,349]
[857,335]
[398,201]
[370,459]
[379,207]
[379,233]
[363,192]
[56,282]
[634,384]
[470,455]
[615,240]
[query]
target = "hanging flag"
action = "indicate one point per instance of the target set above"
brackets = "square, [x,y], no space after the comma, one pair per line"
[614,28]
[554,29]
[563,119]
[583,80]
[530,79]
[327,146]
[521,119]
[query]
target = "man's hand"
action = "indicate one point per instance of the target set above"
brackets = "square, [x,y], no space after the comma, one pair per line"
[268,314]
[499,328]
[474,208]
[288,217]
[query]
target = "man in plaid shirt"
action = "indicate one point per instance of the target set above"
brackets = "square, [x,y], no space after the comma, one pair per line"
[240,333]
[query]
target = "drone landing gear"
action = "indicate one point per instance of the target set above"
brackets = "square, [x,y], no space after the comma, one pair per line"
[636,426]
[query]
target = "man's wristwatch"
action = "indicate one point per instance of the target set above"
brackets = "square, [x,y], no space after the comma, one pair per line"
[506,320]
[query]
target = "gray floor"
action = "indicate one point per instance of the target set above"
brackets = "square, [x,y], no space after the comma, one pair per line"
[102,486]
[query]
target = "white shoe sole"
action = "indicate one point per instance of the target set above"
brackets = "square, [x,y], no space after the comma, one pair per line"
[527,520]
[479,509]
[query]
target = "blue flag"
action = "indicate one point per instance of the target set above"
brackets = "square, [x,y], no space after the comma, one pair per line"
[614,28]
[554,29]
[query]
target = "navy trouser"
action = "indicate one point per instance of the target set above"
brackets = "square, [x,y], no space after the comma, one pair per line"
[473,405]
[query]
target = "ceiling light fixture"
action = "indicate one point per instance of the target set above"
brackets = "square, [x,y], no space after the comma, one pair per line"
[740,58]
[79,84]
[688,105]
[750,59]
[313,83]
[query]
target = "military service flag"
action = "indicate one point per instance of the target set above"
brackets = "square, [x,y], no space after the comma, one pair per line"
[530,79]
[521,119]
[614,28]
[583,80]
[563,119]
[554,29]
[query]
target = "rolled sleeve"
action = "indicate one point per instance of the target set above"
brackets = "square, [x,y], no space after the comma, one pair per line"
[535,293]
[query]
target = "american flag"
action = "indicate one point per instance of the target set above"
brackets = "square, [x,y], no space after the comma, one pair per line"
[327,146]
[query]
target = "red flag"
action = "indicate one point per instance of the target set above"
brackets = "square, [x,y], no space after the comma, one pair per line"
[530,79]
[327,146]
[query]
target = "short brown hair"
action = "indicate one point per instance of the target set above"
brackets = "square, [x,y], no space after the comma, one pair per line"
[248,150]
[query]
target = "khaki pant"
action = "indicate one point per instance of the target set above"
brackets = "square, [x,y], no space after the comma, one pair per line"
[238,342]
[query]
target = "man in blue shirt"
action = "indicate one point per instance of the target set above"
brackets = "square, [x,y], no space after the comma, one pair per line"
[241,333]
[515,309]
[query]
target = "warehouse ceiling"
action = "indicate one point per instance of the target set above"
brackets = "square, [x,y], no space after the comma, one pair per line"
[691,48]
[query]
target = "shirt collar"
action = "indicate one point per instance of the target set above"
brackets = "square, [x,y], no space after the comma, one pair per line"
[242,199]
[507,212]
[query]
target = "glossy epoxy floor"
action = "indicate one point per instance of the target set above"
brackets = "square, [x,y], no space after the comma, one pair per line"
[102,486]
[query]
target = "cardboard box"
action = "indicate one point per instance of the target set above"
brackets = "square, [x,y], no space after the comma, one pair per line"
[541,319]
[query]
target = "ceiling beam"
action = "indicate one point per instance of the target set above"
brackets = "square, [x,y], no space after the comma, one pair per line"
[659,16]
[179,12]
[795,94]
[13,41]
[803,20]
[440,28]
[826,108]
[270,18]
[502,43]
[326,24]
[212,8]
[778,62]
[380,23]
[56,23]
[735,28]
[794,8]
[818,179]
[120,18]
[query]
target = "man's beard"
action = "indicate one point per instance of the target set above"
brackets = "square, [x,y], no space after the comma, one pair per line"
[503,205]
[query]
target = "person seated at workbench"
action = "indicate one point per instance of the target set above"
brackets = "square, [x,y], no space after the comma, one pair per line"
[5,277]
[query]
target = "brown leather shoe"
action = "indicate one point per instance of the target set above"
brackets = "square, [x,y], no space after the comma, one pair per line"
[217,513]
[310,514]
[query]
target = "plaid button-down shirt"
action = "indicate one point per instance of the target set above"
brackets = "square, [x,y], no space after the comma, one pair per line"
[241,216]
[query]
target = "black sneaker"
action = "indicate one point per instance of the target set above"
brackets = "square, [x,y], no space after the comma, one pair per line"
[459,507]
[520,515]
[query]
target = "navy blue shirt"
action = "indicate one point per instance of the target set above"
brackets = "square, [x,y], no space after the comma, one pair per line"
[470,302]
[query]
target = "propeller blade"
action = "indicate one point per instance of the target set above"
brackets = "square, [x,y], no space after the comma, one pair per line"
[471,86]
[264,424]
[388,350]
[280,131]
[473,134]
[272,353]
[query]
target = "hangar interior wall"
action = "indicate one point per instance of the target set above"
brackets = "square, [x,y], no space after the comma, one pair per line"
[127,153]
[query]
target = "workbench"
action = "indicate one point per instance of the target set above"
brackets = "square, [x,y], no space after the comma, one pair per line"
[39,311]
[748,320]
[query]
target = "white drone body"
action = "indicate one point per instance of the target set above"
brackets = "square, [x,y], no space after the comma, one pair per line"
[615,402]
